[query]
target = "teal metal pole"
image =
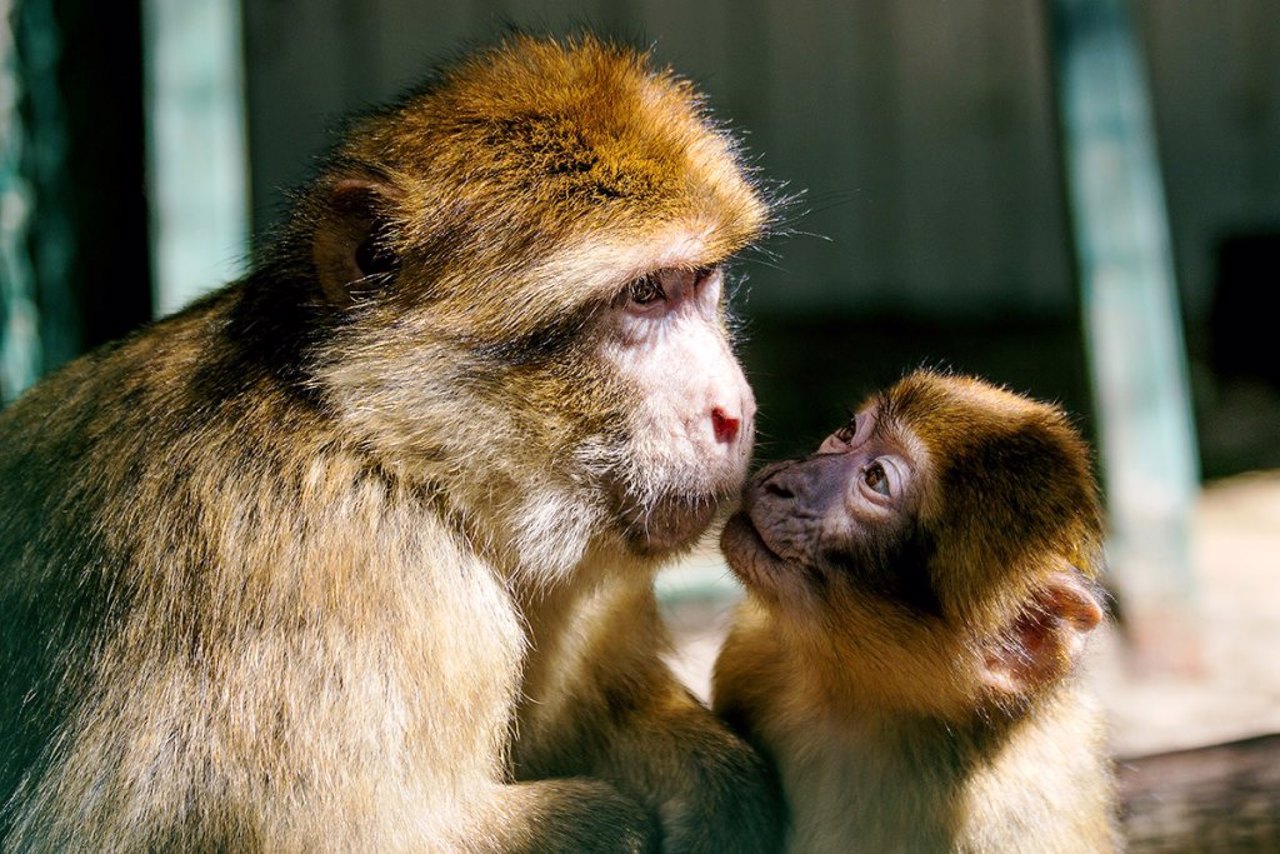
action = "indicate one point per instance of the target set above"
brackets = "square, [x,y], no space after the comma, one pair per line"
[196,160]
[39,318]
[19,323]
[1131,314]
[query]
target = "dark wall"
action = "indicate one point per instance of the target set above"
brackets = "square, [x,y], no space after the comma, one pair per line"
[918,133]
[929,223]
[920,130]
[1215,85]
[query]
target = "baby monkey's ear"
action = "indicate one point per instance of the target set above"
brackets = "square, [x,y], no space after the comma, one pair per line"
[1045,640]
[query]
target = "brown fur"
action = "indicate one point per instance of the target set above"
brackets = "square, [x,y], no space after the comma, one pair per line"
[923,698]
[345,556]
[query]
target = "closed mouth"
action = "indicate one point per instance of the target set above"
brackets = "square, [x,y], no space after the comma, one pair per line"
[750,548]
[760,541]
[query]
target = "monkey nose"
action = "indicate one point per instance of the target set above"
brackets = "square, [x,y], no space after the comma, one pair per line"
[724,425]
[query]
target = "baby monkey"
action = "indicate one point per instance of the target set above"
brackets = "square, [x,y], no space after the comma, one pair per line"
[920,593]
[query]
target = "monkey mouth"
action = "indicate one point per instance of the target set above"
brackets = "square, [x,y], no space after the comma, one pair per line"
[748,553]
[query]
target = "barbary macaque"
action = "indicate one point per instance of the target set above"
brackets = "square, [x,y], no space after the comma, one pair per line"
[920,591]
[356,554]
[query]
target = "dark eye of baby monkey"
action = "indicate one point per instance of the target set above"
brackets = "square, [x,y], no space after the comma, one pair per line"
[875,477]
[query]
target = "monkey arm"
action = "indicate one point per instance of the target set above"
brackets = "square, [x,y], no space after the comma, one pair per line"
[629,721]
[575,814]
[713,792]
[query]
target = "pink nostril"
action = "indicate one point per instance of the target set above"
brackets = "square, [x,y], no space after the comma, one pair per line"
[726,427]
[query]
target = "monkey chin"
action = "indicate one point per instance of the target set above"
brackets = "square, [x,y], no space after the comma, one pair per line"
[671,524]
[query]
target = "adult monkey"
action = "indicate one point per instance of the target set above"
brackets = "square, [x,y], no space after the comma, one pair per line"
[338,556]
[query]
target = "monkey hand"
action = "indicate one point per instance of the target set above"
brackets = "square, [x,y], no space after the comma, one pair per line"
[568,814]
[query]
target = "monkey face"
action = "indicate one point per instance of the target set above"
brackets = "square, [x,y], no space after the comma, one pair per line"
[527,292]
[625,419]
[937,541]
[834,547]
[941,492]
[844,519]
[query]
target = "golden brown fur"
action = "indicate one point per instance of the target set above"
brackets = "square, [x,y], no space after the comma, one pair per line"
[356,554]
[912,674]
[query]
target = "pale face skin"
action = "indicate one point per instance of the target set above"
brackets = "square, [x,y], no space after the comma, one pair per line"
[692,428]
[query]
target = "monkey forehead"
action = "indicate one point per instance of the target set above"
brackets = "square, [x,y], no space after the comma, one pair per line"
[923,393]
[573,281]
[573,136]
[952,413]
[600,265]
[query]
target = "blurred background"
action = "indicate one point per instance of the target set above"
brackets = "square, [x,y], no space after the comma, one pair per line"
[1078,198]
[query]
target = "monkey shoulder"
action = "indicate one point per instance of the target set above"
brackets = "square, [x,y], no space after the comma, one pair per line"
[178,467]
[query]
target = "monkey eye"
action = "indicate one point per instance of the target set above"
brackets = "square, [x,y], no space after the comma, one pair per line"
[875,478]
[847,432]
[646,291]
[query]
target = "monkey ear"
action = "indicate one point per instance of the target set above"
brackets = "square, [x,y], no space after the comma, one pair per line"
[1046,639]
[350,248]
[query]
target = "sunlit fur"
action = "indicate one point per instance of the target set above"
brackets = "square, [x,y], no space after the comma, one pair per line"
[327,562]
[902,729]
